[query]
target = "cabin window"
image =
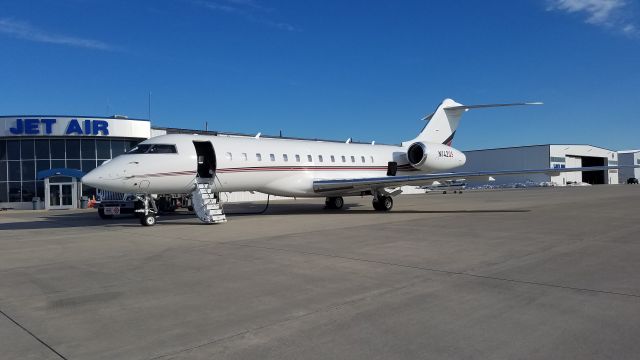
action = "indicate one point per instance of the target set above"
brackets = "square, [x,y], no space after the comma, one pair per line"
[372,159]
[297,158]
[272,157]
[362,159]
[229,156]
[258,156]
[285,157]
[333,158]
[344,158]
[309,159]
[244,156]
[353,159]
[320,158]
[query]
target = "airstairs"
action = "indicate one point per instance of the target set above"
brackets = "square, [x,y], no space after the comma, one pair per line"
[205,204]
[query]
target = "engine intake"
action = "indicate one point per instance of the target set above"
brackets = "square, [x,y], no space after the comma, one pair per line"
[432,156]
[417,154]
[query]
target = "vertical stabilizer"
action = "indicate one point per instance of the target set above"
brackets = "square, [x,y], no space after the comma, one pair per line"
[442,124]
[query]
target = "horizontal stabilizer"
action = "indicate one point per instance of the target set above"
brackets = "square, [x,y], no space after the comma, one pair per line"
[482,106]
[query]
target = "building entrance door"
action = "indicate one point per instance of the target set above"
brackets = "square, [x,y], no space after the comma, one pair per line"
[60,193]
[61,196]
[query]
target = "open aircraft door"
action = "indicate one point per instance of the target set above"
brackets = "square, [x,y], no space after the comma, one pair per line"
[206,159]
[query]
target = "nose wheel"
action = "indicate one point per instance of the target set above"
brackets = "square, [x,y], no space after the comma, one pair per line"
[149,212]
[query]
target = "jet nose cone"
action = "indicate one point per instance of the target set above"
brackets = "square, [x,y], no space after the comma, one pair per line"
[91,179]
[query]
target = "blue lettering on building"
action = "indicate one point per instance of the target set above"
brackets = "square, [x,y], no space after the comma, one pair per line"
[46,126]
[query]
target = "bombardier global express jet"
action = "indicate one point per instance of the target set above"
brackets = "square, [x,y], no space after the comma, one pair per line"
[206,165]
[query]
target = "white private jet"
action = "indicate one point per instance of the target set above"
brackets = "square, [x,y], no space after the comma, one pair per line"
[206,165]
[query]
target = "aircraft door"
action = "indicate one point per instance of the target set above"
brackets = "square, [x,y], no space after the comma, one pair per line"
[206,159]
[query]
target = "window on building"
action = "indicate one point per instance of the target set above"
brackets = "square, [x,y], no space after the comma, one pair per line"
[13,150]
[344,158]
[103,148]
[73,164]
[4,197]
[309,158]
[229,156]
[333,158]
[88,148]
[87,165]
[57,149]
[244,156]
[15,191]
[353,159]
[297,158]
[557,159]
[258,156]
[73,149]
[3,150]
[28,190]
[14,170]
[42,149]
[117,148]
[3,171]
[27,150]
[28,170]
[272,157]
[285,157]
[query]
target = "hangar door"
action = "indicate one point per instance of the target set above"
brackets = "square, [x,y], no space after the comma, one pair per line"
[594,177]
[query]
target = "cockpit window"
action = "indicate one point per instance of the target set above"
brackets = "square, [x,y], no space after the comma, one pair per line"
[162,149]
[153,149]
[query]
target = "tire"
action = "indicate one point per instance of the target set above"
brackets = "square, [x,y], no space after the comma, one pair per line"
[102,215]
[335,203]
[148,220]
[190,208]
[384,203]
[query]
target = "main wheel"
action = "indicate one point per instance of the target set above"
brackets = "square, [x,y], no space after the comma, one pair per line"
[384,203]
[336,202]
[148,220]
[103,215]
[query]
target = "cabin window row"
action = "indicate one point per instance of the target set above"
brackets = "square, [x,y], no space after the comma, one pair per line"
[309,158]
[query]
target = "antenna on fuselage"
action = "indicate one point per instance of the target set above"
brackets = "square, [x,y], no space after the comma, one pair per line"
[258,135]
[348,141]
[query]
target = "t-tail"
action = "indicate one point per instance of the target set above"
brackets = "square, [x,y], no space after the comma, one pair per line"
[443,123]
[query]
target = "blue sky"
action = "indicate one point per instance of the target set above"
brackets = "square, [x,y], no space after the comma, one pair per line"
[332,69]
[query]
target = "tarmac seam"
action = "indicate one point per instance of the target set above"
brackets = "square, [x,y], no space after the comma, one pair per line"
[289,319]
[33,335]
[441,271]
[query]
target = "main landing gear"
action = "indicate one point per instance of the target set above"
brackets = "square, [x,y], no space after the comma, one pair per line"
[335,202]
[149,212]
[382,203]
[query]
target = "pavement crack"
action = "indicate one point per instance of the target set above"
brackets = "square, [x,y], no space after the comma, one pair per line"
[441,271]
[33,335]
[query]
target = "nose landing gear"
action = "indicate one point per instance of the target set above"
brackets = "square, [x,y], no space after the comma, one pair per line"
[149,212]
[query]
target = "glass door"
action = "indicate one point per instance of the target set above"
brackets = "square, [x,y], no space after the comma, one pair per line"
[61,196]
[54,195]
[66,197]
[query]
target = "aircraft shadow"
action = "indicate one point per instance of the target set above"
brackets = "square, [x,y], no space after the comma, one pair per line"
[90,219]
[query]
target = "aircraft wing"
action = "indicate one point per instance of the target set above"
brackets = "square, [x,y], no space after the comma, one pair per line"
[364,184]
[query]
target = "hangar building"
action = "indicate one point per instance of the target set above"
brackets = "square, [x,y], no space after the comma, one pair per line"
[629,157]
[557,156]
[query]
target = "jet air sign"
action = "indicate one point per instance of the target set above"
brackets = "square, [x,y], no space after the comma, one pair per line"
[73,126]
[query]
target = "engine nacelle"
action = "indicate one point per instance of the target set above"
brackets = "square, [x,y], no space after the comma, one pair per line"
[432,156]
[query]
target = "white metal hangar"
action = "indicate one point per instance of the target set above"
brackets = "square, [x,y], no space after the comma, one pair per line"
[629,158]
[557,156]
